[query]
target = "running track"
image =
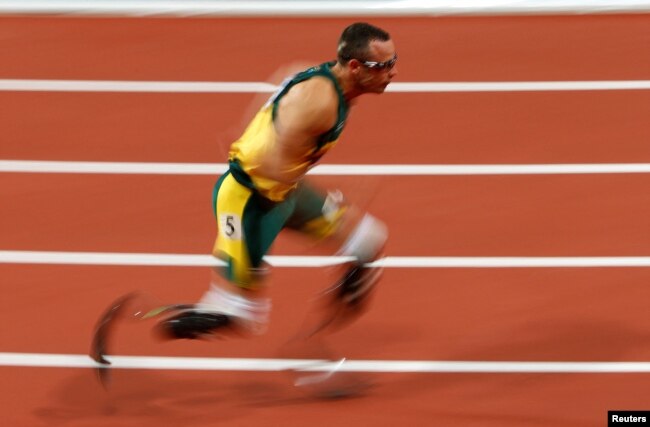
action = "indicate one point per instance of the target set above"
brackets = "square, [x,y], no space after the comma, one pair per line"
[428,314]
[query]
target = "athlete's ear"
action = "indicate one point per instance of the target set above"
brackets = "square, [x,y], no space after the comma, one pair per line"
[354,65]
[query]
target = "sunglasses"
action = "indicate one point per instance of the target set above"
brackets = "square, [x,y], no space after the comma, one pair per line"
[374,65]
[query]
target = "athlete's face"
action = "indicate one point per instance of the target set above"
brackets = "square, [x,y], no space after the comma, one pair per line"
[377,70]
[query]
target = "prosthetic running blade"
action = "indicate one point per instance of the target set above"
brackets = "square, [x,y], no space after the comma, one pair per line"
[132,306]
[103,332]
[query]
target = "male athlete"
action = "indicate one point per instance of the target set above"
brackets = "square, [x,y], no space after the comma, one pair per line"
[263,191]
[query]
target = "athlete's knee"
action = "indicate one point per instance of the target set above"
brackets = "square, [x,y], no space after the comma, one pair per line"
[366,241]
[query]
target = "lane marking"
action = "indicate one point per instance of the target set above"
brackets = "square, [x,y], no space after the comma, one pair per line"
[318,8]
[518,86]
[314,365]
[133,86]
[43,166]
[35,85]
[187,260]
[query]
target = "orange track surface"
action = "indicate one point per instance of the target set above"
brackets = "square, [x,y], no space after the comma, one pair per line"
[587,314]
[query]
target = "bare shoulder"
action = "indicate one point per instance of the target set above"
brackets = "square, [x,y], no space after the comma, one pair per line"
[313,102]
[317,87]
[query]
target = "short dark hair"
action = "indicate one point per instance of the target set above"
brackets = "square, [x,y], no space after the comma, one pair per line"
[355,40]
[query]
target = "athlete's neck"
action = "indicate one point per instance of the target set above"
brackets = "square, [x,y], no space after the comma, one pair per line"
[345,81]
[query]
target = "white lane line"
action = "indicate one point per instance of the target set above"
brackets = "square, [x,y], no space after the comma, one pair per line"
[152,259]
[44,166]
[316,8]
[185,260]
[33,85]
[518,86]
[133,86]
[251,364]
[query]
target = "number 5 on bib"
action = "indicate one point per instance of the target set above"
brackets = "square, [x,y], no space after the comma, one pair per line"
[230,226]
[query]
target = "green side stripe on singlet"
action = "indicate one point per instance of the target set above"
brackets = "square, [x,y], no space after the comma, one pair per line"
[325,71]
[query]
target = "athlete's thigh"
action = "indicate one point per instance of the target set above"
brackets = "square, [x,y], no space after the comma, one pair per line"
[247,226]
[316,213]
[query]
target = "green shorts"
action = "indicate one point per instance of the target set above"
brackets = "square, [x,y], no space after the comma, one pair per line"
[249,223]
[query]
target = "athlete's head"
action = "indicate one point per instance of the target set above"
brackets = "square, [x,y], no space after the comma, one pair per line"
[369,54]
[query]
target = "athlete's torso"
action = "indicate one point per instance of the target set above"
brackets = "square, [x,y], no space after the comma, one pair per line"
[250,152]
